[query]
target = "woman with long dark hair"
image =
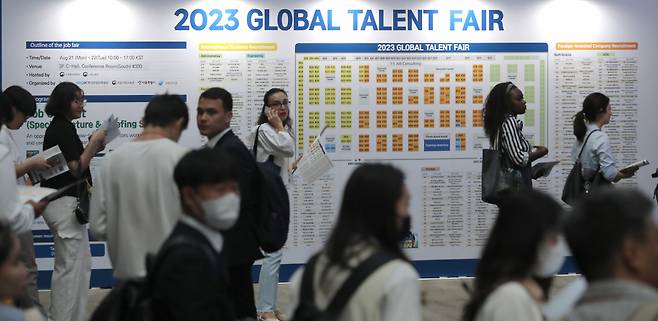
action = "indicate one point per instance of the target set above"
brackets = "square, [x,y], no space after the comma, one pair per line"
[373,217]
[504,103]
[275,137]
[70,280]
[274,144]
[525,243]
[598,163]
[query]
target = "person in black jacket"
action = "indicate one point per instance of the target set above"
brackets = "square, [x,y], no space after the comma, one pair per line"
[214,113]
[190,281]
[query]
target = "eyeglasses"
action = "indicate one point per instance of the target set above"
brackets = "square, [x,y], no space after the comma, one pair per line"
[81,101]
[279,104]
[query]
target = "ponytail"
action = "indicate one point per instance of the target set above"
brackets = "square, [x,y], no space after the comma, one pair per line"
[593,105]
[579,128]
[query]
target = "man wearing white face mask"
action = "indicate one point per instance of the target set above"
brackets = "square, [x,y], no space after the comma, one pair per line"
[190,280]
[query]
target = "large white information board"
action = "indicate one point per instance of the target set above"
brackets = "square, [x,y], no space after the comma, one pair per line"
[401,82]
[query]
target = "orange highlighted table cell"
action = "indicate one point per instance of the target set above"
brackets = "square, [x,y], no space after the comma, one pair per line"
[382,143]
[398,119]
[413,142]
[364,143]
[412,116]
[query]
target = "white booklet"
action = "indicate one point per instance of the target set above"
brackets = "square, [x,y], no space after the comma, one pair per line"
[38,193]
[314,163]
[57,162]
[635,166]
[33,193]
[112,126]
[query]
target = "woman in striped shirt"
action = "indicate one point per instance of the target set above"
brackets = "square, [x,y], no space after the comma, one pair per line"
[504,103]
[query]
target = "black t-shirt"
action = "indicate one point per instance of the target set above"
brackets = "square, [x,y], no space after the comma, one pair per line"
[62,132]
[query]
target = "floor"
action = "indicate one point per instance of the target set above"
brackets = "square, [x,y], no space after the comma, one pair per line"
[442,298]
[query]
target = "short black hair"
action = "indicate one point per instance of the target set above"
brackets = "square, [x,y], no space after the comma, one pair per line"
[20,99]
[59,102]
[5,108]
[6,242]
[600,223]
[221,94]
[204,166]
[164,110]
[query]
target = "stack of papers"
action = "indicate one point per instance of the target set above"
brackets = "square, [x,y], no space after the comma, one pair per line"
[37,193]
[314,162]
[112,126]
[57,162]
[33,193]
[635,166]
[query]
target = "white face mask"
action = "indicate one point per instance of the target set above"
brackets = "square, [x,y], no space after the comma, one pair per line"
[221,213]
[550,258]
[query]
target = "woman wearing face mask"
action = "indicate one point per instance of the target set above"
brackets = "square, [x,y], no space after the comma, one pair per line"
[13,279]
[190,281]
[504,103]
[72,270]
[21,106]
[593,146]
[274,144]
[525,243]
[373,217]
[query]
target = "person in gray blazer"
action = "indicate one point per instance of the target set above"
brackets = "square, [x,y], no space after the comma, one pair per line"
[613,237]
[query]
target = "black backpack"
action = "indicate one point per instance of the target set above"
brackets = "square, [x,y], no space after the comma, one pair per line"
[131,300]
[274,218]
[575,187]
[307,310]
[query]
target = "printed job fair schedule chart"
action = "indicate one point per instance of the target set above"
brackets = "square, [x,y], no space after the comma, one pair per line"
[418,106]
[611,68]
[412,100]
[247,70]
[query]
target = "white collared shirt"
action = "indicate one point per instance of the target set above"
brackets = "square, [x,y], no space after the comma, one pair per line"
[17,215]
[213,141]
[136,203]
[7,139]
[213,236]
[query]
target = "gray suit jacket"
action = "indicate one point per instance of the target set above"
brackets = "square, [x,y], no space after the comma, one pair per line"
[612,300]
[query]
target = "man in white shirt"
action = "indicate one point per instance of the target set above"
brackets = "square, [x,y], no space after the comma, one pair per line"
[135,203]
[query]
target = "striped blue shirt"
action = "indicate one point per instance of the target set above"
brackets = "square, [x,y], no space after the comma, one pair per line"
[596,154]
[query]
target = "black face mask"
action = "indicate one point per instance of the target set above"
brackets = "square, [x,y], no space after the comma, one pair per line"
[405,229]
